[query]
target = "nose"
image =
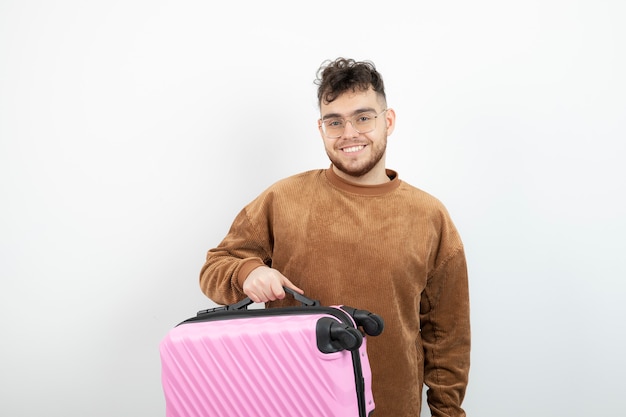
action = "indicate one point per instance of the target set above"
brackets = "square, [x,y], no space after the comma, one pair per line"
[349,133]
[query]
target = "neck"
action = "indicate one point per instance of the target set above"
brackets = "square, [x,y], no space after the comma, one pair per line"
[374,177]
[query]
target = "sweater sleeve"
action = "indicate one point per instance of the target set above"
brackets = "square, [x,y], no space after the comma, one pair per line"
[445,331]
[227,265]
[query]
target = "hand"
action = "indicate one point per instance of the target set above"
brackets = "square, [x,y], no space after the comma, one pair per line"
[265,284]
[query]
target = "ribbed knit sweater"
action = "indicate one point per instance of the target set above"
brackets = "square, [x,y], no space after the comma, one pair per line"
[391,249]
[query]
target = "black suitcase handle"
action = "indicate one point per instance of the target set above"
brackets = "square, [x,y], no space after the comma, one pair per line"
[243,304]
[305,301]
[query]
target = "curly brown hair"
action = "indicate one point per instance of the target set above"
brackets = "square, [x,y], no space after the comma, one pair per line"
[341,75]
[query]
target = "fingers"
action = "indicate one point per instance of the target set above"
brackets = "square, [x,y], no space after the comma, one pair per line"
[261,283]
[276,290]
[265,284]
[291,285]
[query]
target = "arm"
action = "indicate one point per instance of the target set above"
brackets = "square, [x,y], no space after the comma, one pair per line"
[445,324]
[227,265]
[239,266]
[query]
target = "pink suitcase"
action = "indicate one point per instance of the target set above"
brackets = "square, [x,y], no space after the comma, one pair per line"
[300,361]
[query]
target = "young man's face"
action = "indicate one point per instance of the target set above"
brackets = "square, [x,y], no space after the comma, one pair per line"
[355,156]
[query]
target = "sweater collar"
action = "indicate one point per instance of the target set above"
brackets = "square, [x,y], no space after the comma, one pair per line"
[370,190]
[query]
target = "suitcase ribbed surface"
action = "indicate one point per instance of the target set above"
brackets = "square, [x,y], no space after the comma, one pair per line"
[257,367]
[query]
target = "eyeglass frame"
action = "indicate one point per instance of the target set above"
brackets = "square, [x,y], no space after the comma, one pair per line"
[351,120]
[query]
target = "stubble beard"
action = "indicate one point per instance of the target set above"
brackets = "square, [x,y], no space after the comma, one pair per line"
[357,172]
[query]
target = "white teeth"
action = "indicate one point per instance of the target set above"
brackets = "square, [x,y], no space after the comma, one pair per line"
[353,149]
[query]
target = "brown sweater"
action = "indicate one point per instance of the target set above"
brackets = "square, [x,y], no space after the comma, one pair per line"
[391,249]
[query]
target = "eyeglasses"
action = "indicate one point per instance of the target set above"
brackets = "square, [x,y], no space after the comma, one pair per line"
[363,122]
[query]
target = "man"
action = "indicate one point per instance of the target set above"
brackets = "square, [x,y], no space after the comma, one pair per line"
[356,234]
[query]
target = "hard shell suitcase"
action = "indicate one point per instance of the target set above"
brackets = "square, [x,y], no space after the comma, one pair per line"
[231,361]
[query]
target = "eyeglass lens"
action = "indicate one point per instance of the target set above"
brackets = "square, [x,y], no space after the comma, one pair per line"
[363,123]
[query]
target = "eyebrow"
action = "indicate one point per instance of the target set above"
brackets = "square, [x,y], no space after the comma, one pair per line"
[354,113]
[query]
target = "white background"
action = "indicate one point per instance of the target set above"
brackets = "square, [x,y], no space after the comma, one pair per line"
[132,132]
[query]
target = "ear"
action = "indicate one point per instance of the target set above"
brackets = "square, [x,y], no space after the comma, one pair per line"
[319,127]
[390,119]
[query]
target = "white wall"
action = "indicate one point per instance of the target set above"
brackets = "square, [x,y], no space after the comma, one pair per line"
[132,132]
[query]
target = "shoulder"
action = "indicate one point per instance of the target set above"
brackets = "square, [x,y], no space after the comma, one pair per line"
[430,209]
[424,205]
[294,186]
[302,176]
[293,193]
[419,196]
[297,182]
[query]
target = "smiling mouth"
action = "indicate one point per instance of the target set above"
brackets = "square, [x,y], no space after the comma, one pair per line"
[353,149]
